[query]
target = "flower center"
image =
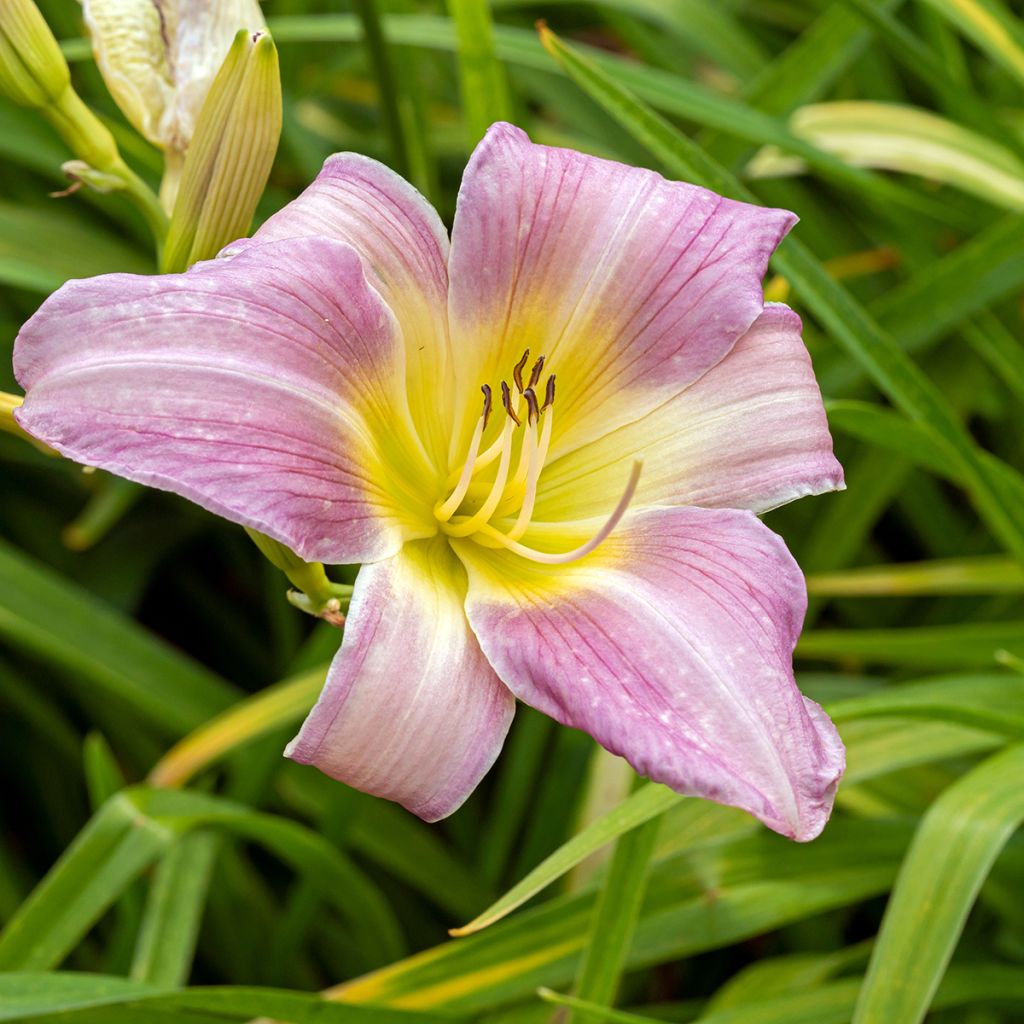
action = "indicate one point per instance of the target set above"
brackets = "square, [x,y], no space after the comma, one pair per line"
[484,499]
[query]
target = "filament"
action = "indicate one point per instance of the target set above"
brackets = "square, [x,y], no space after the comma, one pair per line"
[445,510]
[479,518]
[536,465]
[550,558]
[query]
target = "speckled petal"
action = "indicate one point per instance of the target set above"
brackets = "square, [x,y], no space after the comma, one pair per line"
[411,711]
[672,646]
[266,388]
[632,286]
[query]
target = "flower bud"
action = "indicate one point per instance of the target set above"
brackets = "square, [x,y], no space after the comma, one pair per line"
[159,59]
[33,71]
[229,161]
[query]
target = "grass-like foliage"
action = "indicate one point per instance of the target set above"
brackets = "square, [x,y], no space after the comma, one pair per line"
[161,862]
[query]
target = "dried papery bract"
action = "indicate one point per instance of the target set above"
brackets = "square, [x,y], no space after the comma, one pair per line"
[233,148]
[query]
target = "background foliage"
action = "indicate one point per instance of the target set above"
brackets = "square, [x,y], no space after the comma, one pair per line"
[151,671]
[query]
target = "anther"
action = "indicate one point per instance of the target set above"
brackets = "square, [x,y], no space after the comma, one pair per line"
[536,372]
[486,389]
[533,411]
[549,393]
[506,400]
[517,371]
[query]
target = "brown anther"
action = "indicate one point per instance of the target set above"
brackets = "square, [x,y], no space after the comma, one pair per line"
[486,389]
[506,400]
[517,371]
[533,412]
[549,393]
[535,372]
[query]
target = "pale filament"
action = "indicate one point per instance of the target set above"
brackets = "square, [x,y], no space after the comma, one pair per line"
[478,519]
[536,465]
[550,558]
[445,510]
[488,455]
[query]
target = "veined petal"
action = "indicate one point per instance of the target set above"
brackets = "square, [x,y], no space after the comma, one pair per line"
[411,711]
[672,646]
[631,285]
[267,388]
[400,236]
[751,433]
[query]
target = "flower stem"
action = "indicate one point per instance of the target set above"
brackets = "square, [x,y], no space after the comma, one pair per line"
[384,72]
[315,594]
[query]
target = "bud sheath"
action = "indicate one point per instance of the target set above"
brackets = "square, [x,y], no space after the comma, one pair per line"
[232,150]
[33,71]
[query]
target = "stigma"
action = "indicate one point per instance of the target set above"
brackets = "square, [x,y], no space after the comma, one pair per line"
[494,505]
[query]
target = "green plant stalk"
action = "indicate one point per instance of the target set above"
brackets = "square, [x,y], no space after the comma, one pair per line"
[90,140]
[482,80]
[615,916]
[384,72]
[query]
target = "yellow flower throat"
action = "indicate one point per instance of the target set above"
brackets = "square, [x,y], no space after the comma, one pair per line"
[478,500]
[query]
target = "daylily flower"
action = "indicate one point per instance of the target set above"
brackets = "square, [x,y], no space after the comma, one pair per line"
[469,422]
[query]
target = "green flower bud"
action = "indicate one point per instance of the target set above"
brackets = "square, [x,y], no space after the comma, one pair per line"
[232,150]
[33,71]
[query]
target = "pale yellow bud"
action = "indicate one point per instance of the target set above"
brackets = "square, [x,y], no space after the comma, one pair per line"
[229,161]
[159,58]
[33,71]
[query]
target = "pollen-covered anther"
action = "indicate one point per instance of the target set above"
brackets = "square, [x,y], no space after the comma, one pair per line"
[486,389]
[506,400]
[533,409]
[549,393]
[517,371]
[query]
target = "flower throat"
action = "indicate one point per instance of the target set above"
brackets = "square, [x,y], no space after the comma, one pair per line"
[481,507]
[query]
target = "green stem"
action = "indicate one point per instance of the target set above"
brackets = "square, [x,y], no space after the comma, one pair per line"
[380,60]
[314,593]
[616,915]
[90,140]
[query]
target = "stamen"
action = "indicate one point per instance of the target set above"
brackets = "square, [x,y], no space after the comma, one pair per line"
[488,455]
[445,510]
[506,400]
[549,393]
[529,445]
[533,410]
[486,389]
[548,558]
[486,510]
[536,465]
[517,371]
[536,371]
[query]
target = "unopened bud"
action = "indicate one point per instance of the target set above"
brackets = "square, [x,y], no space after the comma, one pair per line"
[159,59]
[232,150]
[33,71]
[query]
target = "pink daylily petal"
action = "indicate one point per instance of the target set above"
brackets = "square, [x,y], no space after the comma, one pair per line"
[257,386]
[672,645]
[751,433]
[405,247]
[631,285]
[411,711]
